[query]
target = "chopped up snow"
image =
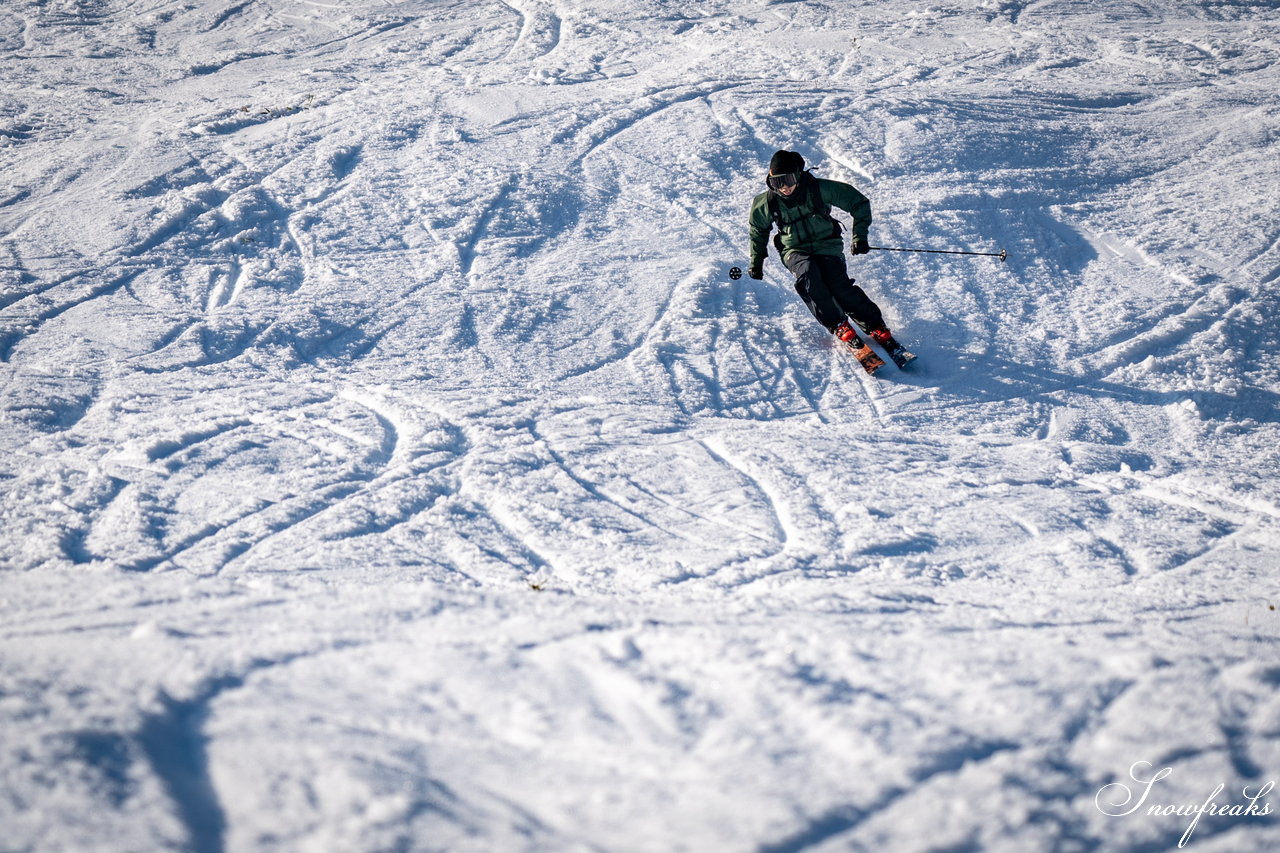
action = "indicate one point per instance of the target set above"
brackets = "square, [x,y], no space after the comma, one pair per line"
[390,462]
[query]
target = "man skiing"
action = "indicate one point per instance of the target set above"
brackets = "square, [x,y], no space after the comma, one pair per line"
[810,246]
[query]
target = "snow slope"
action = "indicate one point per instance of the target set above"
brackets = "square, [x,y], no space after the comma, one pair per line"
[390,463]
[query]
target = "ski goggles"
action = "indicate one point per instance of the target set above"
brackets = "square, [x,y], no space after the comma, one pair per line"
[783,181]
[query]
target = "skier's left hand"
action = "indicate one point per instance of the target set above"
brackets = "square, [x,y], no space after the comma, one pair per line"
[860,246]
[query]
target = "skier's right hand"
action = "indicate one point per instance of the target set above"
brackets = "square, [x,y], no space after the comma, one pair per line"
[756,272]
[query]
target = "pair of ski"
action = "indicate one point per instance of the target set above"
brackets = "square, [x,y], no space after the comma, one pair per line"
[871,362]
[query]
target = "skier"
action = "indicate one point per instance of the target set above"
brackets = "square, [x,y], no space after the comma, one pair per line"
[808,241]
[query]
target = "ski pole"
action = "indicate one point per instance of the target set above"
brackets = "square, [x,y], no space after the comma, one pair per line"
[1002,254]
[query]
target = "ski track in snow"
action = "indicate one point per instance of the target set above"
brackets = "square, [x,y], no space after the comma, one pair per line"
[393,465]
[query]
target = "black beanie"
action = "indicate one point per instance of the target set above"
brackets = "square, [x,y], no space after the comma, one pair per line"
[783,162]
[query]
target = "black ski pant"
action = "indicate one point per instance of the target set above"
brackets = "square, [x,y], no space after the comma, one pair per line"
[823,283]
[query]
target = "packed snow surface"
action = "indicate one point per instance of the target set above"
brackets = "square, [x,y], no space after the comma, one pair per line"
[391,463]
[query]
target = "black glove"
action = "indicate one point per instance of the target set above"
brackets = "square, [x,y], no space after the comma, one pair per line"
[860,246]
[756,272]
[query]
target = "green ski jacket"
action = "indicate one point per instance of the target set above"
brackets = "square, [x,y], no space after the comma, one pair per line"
[804,226]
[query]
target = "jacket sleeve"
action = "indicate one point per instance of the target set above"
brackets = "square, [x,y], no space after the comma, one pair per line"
[760,224]
[848,199]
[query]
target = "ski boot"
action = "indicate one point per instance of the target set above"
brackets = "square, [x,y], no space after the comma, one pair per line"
[866,357]
[897,352]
